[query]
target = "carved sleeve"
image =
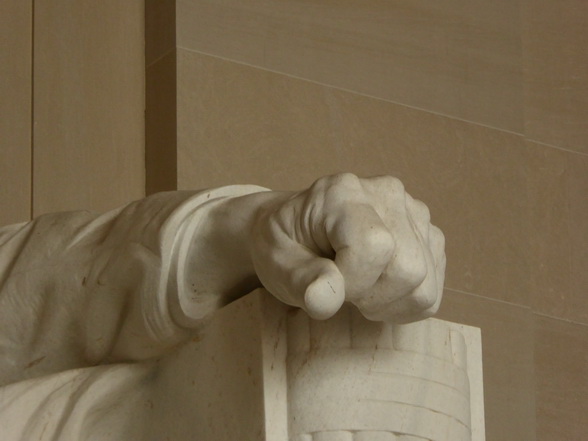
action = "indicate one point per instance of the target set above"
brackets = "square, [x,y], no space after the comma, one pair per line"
[78,289]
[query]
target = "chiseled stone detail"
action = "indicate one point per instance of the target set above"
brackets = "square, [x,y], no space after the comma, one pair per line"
[350,379]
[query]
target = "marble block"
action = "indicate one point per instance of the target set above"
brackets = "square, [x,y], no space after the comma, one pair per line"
[265,371]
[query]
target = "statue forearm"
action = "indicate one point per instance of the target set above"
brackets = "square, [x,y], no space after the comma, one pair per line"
[200,263]
[79,288]
[217,267]
[128,285]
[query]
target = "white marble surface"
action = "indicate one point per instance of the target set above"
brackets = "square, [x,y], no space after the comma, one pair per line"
[291,378]
[94,307]
[264,371]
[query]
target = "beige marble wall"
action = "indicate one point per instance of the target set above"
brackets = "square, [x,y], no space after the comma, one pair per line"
[160,96]
[71,106]
[72,102]
[480,108]
[555,66]
[88,104]
[15,110]
[161,125]
[456,57]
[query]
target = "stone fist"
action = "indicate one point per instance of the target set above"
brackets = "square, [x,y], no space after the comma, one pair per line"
[365,241]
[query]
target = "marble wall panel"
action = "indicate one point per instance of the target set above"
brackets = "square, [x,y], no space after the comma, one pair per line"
[457,57]
[556,72]
[578,225]
[160,29]
[160,125]
[507,347]
[15,110]
[89,105]
[558,185]
[561,369]
[241,124]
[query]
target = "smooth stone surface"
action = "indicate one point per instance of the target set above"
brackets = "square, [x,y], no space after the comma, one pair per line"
[556,72]
[160,29]
[423,379]
[161,151]
[255,353]
[456,58]
[561,357]
[15,110]
[509,366]
[89,123]
[558,185]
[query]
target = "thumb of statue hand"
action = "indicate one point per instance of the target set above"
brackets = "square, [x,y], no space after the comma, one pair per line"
[325,295]
[298,277]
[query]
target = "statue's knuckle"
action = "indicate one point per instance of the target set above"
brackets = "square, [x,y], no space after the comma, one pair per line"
[422,211]
[412,268]
[424,300]
[345,180]
[338,188]
[337,183]
[319,184]
[432,310]
[394,184]
[437,235]
[378,243]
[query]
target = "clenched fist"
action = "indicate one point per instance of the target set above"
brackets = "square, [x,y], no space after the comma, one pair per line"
[135,282]
[365,241]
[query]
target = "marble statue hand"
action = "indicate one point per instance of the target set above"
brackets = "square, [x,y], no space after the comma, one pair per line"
[365,241]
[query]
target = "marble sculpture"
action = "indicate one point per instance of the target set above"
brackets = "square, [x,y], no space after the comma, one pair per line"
[91,304]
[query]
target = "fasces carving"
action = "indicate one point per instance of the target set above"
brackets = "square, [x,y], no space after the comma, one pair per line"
[291,378]
[351,380]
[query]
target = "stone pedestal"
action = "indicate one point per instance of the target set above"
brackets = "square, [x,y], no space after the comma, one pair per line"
[263,371]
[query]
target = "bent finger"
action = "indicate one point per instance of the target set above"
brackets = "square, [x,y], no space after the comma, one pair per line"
[363,246]
[297,276]
[422,298]
[420,216]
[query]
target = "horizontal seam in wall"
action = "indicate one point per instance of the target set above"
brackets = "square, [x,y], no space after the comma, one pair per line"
[165,54]
[540,314]
[572,322]
[544,144]
[516,305]
[343,89]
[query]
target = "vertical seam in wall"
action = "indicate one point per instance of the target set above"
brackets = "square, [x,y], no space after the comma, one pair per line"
[32,110]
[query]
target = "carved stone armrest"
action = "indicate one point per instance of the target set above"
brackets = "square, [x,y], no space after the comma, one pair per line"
[263,371]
